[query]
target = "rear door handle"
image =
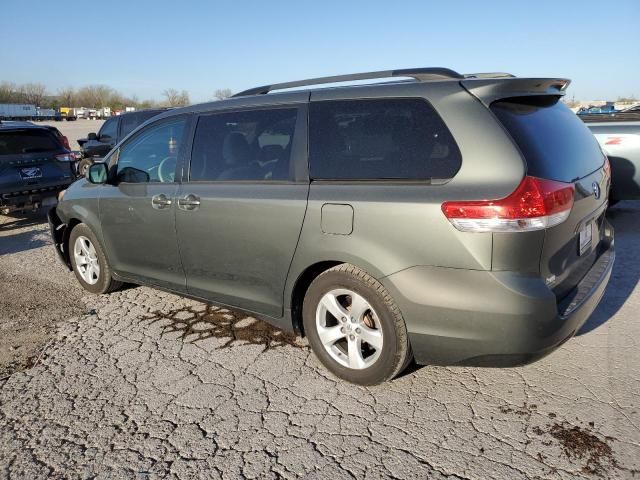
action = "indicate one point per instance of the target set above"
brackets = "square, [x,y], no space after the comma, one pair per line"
[189,202]
[160,201]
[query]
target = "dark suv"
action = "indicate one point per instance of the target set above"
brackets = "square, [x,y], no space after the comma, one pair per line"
[114,129]
[35,164]
[454,219]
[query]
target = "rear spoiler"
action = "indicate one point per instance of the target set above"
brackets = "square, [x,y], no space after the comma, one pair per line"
[488,90]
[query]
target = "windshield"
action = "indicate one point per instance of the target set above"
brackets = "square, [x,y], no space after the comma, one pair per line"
[17,142]
[554,141]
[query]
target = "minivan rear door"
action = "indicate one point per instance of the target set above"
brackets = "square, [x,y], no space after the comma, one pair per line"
[556,145]
[241,205]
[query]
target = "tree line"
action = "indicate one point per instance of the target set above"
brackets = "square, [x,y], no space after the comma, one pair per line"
[92,96]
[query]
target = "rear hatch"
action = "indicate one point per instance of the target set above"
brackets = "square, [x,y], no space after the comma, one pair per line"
[556,145]
[32,159]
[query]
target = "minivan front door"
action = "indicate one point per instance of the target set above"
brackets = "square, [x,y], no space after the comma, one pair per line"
[137,211]
[240,213]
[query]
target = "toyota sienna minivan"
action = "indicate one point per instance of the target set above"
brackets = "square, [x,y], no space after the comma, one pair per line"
[447,218]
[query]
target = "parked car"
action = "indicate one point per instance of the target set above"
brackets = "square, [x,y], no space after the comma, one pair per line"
[425,219]
[602,109]
[35,165]
[113,130]
[621,143]
[15,123]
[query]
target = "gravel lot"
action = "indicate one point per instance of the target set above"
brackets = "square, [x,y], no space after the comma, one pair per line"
[144,384]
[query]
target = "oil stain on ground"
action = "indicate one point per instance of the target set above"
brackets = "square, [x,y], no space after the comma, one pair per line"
[197,324]
[580,444]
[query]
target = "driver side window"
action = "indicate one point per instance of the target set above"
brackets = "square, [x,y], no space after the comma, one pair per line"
[152,155]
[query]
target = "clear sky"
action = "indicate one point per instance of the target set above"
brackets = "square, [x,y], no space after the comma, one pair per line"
[143,47]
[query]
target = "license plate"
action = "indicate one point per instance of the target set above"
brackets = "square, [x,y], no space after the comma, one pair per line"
[585,236]
[31,172]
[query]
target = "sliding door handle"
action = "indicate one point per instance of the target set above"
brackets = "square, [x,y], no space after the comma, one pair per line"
[189,202]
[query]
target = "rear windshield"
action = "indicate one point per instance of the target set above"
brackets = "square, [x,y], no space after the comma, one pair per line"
[556,144]
[16,142]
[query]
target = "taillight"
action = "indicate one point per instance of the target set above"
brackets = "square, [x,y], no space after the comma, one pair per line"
[534,205]
[66,157]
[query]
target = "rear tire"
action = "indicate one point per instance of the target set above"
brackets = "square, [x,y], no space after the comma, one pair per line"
[83,166]
[354,327]
[89,262]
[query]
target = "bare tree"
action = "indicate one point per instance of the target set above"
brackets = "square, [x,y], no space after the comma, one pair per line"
[9,93]
[222,93]
[94,96]
[33,93]
[175,98]
[67,97]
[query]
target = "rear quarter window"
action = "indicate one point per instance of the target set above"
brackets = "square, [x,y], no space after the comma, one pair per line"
[555,143]
[18,142]
[380,139]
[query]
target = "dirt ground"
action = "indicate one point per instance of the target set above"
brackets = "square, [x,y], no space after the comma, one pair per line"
[29,307]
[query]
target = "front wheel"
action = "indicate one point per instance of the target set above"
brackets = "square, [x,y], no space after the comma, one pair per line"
[89,262]
[354,327]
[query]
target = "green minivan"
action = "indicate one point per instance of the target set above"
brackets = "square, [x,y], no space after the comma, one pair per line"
[447,218]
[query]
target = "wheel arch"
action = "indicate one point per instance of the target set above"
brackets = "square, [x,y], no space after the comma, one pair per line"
[300,287]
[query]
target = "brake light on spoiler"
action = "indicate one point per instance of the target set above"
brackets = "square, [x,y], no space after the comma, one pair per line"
[535,204]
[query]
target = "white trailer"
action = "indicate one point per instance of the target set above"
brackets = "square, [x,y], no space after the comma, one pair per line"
[17,111]
[104,112]
[46,113]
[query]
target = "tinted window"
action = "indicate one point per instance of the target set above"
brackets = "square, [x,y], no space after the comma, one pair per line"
[151,156]
[556,144]
[15,142]
[110,128]
[250,145]
[380,139]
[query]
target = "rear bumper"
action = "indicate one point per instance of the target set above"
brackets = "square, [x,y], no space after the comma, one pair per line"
[495,319]
[30,197]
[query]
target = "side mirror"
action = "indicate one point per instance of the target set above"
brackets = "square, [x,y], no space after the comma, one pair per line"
[97,173]
[92,136]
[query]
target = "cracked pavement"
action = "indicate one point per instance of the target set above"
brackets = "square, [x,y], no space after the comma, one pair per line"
[145,384]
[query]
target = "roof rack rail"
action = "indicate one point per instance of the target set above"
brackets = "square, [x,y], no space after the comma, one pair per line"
[419,74]
[489,75]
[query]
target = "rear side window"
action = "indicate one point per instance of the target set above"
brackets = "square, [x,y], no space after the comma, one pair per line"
[249,145]
[16,142]
[380,139]
[556,144]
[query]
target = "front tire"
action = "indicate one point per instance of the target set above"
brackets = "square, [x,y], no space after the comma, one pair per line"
[89,262]
[354,327]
